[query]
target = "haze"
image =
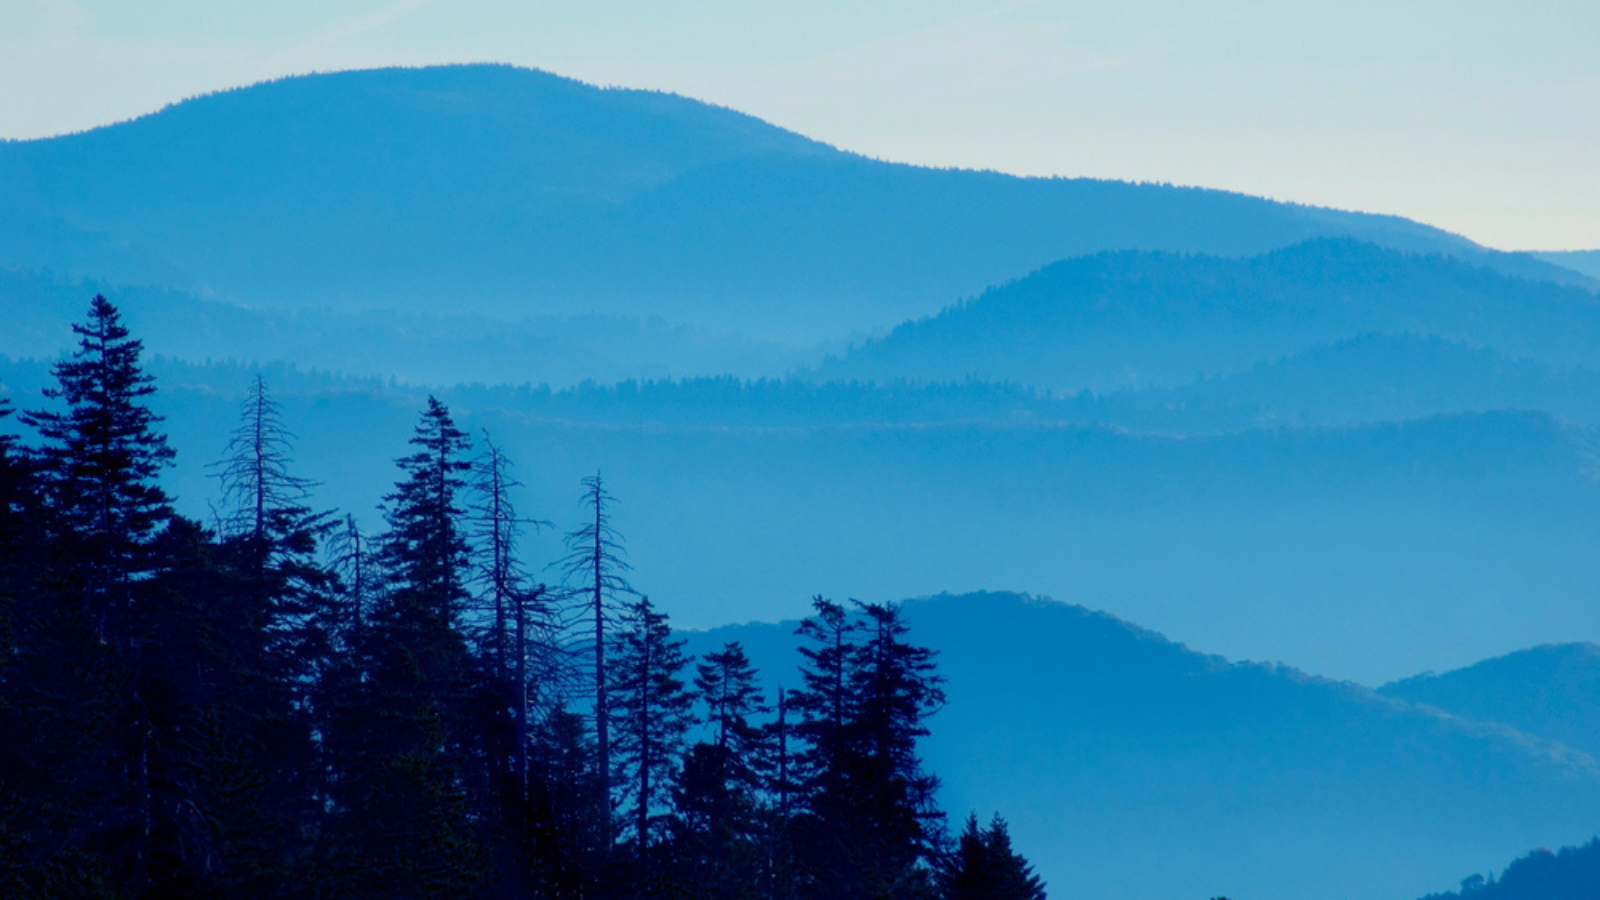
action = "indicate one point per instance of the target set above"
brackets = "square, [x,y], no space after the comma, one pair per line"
[1474,117]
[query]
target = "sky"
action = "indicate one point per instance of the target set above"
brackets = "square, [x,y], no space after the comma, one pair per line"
[1479,117]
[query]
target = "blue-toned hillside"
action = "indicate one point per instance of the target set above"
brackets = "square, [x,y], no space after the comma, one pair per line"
[1131,766]
[1117,320]
[498,190]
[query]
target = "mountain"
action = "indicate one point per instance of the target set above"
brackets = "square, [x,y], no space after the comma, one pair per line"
[1552,691]
[1131,766]
[1140,319]
[1584,262]
[1365,552]
[1367,378]
[421,348]
[510,192]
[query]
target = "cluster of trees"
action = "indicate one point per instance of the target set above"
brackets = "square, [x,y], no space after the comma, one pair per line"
[275,703]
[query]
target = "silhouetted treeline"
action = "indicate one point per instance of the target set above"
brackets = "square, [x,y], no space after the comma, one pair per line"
[1566,874]
[273,703]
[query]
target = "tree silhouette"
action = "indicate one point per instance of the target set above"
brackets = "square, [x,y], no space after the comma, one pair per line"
[594,569]
[101,457]
[651,714]
[983,866]
[870,826]
[402,732]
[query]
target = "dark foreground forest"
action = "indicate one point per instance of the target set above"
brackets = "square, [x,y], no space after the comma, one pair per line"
[273,703]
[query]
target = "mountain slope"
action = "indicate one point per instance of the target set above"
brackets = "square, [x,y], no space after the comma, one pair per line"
[1365,552]
[508,191]
[1130,766]
[1585,262]
[1552,691]
[1371,378]
[1131,319]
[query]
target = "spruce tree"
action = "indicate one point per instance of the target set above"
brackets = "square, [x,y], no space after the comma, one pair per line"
[870,827]
[594,570]
[718,840]
[403,738]
[651,716]
[983,866]
[101,457]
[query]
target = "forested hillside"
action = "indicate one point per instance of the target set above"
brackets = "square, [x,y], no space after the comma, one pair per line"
[473,404]
[280,704]
[516,193]
[1552,691]
[436,703]
[1120,320]
[1098,740]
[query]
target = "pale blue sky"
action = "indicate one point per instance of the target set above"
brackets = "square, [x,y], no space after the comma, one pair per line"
[1480,117]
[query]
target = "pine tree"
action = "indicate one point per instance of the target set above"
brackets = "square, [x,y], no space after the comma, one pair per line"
[279,588]
[98,669]
[651,716]
[984,866]
[594,569]
[101,458]
[721,826]
[870,827]
[402,734]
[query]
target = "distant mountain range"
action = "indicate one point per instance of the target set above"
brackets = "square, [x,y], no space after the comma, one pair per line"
[1585,262]
[1367,551]
[1130,766]
[1552,691]
[1129,319]
[510,192]
[1274,431]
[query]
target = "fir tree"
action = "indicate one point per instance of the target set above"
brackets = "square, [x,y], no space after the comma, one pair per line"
[870,827]
[402,734]
[651,716]
[984,866]
[101,457]
[595,571]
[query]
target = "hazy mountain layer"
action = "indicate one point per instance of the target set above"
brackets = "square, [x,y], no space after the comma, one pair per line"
[1585,262]
[1371,378]
[496,190]
[420,348]
[1366,552]
[1108,747]
[1122,320]
[1551,691]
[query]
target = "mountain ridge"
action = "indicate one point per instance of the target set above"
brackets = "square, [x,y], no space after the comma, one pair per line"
[516,192]
[1102,742]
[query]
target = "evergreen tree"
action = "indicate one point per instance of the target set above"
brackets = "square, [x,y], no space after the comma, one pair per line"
[97,660]
[101,457]
[403,738]
[594,569]
[651,716]
[718,842]
[870,827]
[984,866]
[271,543]
[567,850]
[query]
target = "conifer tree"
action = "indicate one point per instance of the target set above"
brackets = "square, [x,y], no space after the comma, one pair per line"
[984,866]
[870,827]
[402,734]
[595,571]
[651,715]
[101,457]
[720,830]
[96,674]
